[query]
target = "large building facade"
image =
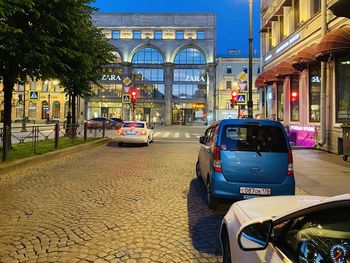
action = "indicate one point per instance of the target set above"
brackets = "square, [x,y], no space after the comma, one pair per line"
[168,58]
[232,76]
[306,69]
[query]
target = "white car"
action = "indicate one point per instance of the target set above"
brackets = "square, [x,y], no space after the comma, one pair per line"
[287,229]
[134,132]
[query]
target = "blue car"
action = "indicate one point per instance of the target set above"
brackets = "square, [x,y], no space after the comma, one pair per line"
[245,158]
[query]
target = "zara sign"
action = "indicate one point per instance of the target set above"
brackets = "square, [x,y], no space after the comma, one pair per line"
[111,77]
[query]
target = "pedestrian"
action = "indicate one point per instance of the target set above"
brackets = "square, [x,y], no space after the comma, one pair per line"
[154,121]
[161,120]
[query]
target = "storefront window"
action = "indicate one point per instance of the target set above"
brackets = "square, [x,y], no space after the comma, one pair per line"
[314,91]
[32,110]
[56,109]
[294,98]
[280,101]
[194,75]
[189,56]
[19,110]
[44,110]
[147,74]
[189,91]
[151,91]
[269,102]
[342,87]
[147,56]
[107,90]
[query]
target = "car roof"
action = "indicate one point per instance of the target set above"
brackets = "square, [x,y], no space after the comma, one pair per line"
[247,121]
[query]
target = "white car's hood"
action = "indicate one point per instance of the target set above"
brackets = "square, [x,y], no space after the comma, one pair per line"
[274,206]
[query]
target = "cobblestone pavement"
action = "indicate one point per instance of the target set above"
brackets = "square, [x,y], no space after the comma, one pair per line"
[110,204]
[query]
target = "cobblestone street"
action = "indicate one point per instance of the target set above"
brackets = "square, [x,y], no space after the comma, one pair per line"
[110,204]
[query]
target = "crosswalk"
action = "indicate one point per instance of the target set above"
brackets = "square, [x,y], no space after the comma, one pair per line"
[176,135]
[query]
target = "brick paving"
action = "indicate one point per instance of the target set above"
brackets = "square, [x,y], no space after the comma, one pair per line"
[110,204]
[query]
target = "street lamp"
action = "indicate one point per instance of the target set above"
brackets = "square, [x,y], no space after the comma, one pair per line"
[24,128]
[250,91]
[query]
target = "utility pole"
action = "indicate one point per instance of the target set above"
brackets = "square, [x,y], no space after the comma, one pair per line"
[250,91]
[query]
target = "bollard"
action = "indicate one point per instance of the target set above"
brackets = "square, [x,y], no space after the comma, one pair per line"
[57,129]
[85,131]
[103,129]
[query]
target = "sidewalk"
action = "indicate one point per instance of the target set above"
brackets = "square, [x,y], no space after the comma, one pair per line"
[321,173]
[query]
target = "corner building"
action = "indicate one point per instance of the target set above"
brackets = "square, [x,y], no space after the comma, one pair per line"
[297,37]
[169,58]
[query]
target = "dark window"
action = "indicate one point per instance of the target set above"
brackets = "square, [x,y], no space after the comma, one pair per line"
[342,73]
[179,34]
[158,35]
[253,138]
[314,91]
[280,101]
[296,13]
[229,70]
[57,88]
[136,34]
[44,110]
[200,35]
[229,84]
[116,34]
[316,6]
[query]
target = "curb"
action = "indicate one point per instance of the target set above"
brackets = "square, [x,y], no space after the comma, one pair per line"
[11,166]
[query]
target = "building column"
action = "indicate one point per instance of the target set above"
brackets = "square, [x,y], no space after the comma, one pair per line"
[169,72]
[126,70]
[211,91]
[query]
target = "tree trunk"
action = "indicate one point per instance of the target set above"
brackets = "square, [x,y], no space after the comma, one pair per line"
[74,122]
[8,87]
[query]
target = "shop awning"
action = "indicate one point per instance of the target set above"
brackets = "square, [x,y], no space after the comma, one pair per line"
[285,68]
[259,81]
[340,8]
[271,76]
[303,57]
[335,41]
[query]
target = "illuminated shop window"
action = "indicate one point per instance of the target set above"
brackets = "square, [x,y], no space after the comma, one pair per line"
[148,56]
[44,110]
[294,98]
[189,56]
[314,91]
[342,75]
[56,106]
[32,110]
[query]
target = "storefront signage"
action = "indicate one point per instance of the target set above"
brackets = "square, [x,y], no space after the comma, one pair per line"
[194,78]
[302,128]
[287,43]
[111,77]
[268,58]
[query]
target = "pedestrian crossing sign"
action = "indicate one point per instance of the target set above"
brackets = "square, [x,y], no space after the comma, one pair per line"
[126,98]
[33,94]
[242,98]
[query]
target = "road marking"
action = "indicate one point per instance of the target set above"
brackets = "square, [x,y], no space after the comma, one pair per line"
[174,141]
[177,135]
[156,134]
[166,135]
[187,135]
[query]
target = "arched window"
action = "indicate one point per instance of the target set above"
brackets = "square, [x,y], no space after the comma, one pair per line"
[148,56]
[56,110]
[189,56]
[44,110]
[32,110]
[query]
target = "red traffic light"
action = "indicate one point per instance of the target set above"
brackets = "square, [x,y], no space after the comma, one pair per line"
[133,94]
[234,93]
[294,95]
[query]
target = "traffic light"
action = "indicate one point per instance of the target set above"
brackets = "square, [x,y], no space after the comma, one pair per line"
[294,96]
[133,95]
[233,100]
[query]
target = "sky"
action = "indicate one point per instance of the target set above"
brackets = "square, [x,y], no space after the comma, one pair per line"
[232,18]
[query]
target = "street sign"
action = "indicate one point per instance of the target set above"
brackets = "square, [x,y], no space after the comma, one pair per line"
[242,98]
[242,76]
[126,81]
[126,98]
[33,94]
[243,86]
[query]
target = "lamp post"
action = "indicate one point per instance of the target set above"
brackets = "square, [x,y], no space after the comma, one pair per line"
[250,76]
[24,128]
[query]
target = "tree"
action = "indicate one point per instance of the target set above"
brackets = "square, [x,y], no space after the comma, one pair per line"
[37,41]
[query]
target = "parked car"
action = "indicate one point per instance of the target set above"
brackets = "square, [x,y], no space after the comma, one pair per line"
[244,158]
[287,229]
[134,132]
[95,123]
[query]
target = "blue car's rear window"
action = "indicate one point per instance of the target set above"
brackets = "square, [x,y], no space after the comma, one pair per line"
[134,124]
[253,138]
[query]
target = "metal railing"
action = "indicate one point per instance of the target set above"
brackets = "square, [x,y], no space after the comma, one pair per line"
[36,135]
